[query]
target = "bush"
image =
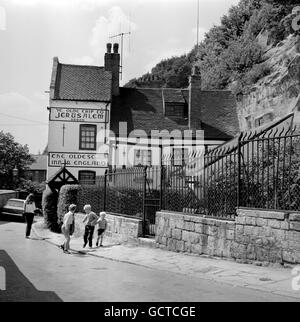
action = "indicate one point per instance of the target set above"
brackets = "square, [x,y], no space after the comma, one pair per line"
[68,195]
[92,195]
[80,196]
[125,201]
[49,204]
[178,200]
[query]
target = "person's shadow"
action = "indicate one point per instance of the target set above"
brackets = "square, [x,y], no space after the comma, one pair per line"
[15,287]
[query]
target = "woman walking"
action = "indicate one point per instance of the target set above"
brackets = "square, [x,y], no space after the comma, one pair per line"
[29,211]
[67,227]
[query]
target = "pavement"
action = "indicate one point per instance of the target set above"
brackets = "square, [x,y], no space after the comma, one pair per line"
[269,281]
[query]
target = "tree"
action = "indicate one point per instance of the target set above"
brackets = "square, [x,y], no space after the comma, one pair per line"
[12,155]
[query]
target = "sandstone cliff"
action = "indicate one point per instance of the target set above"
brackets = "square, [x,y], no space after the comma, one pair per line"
[277,94]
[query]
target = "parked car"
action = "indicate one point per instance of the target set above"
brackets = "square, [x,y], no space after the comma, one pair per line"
[13,207]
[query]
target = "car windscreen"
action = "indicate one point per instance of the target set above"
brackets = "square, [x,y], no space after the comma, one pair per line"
[15,203]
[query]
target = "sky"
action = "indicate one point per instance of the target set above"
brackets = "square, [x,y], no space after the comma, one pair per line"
[32,32]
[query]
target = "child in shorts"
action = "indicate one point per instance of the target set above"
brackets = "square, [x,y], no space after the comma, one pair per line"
[102,225]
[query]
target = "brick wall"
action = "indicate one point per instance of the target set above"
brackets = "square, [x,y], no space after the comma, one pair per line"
[255,235]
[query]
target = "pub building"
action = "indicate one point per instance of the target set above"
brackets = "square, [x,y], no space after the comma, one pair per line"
[87,105]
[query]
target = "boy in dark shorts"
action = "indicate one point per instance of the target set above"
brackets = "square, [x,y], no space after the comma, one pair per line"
[102,225]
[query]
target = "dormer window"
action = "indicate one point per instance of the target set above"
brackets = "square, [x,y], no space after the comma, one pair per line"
[176,110]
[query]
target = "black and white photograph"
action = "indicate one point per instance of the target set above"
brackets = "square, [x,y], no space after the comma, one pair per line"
[150,154]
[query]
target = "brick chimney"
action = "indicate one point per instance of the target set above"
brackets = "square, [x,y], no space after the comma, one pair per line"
[194,91]
[112,64]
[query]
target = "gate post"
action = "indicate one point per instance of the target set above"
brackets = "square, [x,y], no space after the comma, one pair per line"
[239,171]
[104,192]
[162,184]
[161,176]
[144,200]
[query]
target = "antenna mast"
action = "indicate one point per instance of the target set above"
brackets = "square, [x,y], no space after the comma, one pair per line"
[197,24]
[122,34]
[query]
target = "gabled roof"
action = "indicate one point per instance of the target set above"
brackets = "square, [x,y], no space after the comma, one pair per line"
[143,109]
[81,83]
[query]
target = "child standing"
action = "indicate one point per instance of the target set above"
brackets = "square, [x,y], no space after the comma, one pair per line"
[102,225]
[68,221]
[91,220]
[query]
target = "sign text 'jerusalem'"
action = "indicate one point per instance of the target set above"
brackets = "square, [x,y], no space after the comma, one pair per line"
[77,115]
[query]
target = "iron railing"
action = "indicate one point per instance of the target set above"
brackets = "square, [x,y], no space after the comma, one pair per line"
[257,170]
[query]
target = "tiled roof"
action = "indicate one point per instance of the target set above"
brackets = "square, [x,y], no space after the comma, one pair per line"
[217,109]
[173,95]
[82,83]
[143,109]
[40,162]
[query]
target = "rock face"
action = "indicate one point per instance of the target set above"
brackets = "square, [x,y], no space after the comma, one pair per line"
[277,94]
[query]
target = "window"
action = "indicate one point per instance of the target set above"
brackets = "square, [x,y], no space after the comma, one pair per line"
[177,110]
[142,157]
[180,156]
[87,138]
[87,177]
[259,121]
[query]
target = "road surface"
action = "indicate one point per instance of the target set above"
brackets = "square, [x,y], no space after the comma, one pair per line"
[39,271]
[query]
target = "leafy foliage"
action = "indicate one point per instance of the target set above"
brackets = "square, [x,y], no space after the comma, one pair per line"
[229,52]
[12,154]
[68,195]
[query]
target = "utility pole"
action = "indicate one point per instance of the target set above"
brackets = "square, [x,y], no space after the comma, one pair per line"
[122,34]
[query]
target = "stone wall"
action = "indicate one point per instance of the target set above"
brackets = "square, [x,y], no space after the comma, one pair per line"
[123,228]
[5,195]
[255,235]
[120,228]
[194,234]
[267,236]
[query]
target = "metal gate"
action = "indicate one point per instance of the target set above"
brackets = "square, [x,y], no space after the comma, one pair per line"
[152,198]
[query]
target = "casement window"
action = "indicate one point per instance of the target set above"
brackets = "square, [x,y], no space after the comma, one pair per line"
[179,156]
[177,110]
[87,177]
[142,157]
[87,137]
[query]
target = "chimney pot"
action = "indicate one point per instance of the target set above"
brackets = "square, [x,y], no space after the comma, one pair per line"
[108,47]
[116,48]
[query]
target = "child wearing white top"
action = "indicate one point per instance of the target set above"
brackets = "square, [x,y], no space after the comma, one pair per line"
[66,228]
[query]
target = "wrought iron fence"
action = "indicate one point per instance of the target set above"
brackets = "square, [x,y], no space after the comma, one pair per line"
[270,170]
[124,191]
[257,170]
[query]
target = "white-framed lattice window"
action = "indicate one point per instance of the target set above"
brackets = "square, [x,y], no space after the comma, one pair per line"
[179,156]
[142,157]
